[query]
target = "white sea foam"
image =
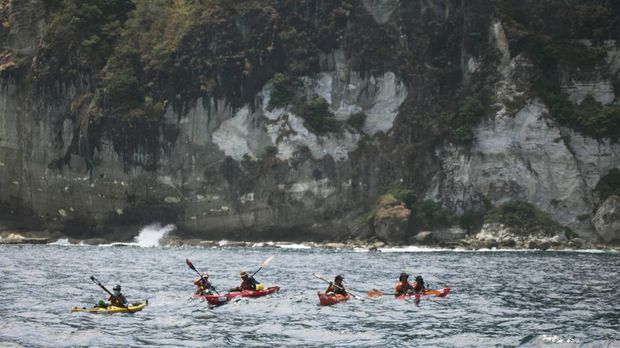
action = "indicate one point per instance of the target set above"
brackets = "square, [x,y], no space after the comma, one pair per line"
[62,241]
[150,235]
[293,246]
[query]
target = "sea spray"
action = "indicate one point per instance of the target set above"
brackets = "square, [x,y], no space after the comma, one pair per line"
[150,235]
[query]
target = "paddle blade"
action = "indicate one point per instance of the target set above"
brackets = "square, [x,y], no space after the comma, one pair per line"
[190,264]
[266,262]
[375,293]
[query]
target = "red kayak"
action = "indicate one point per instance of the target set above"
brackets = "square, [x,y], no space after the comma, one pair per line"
[437,293]
[328,300]
[218,300]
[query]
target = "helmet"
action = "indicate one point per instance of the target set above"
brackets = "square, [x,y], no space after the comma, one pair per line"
[243,274]
[204,275]
[339,278]
[117,287]
[403,275]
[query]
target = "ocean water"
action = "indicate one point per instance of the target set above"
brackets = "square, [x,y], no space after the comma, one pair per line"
[519,298]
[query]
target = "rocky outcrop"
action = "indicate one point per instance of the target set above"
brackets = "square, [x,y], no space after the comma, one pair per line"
[526,155]
[495,235]
[390,220]
[607,220]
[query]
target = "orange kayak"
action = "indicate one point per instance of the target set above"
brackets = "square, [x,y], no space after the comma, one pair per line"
[328,300]
[436,292]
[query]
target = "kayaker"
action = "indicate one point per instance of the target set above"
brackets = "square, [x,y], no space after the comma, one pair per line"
[203,287]
[247,283]
[403,287]
[418,285]
[117,299]
[336,287]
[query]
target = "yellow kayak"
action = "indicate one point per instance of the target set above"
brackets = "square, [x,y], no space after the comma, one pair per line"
[111,309]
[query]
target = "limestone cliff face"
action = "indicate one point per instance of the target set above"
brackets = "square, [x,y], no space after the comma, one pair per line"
[221,162]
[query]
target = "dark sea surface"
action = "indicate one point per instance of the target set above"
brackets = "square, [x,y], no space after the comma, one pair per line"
[497,298]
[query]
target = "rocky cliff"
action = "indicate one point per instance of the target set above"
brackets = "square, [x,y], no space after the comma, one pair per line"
[278,119]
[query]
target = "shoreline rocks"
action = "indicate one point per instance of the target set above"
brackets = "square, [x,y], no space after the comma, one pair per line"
[492,236]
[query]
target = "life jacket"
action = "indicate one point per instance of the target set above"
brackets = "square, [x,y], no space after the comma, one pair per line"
[402,289]
[249,284]
[117,301]
[340,290]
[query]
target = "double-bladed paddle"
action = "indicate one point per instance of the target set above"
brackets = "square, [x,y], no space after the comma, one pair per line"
[262,265]
[191,266]
[327,281]
[108,291]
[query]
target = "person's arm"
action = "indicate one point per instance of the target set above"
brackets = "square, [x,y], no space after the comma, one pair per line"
[330,288]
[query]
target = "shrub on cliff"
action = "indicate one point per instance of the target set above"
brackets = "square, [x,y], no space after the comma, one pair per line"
[357,120]
[81,35]
[402,193]
[122,88]
[524,218]
[283,88]
[609,185]
[318,117]
[470,113]
[430,215]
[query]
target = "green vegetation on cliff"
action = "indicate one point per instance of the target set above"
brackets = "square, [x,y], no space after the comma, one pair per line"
[551,35]
[318,117]
[524,218]
[609,185]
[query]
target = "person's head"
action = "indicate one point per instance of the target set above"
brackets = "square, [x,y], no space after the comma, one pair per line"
[204,275]
[117,290]
[244,275]
[403,277]
[419,280]
[338,279]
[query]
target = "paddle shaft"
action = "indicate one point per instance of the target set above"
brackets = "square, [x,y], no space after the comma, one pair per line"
[100,285]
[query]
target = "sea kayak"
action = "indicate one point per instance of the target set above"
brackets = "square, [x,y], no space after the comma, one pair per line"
[111,309]
[328,300]
[218,300]
[435,292]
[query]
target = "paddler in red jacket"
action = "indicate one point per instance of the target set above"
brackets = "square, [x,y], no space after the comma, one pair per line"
[203,287]
[403,287]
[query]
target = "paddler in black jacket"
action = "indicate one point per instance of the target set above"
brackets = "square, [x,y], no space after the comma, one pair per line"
[336,287]
[117,299]
[247,283]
